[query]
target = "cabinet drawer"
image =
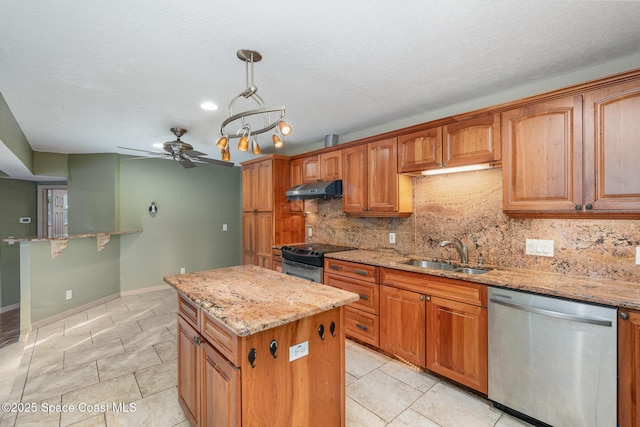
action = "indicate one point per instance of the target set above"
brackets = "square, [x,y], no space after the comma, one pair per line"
[362,325]
[365,272]
[221,337]
[369,292]
[189,311]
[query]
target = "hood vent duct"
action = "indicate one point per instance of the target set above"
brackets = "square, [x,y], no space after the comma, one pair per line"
[316,190]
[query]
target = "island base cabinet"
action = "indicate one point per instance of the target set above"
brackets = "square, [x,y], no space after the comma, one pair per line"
[457,342]
[220,390]
[189,370]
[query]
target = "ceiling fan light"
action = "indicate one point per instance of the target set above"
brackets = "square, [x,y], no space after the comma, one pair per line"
[285,129]
[277,142]
[223,142]
[243,145]
[256,148]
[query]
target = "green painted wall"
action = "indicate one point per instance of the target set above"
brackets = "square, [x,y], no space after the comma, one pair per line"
[11,135]
[89,274]
[187,229]
[17,199]
[50,164]
[93,192]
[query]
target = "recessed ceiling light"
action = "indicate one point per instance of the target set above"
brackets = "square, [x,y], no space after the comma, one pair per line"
[208,105]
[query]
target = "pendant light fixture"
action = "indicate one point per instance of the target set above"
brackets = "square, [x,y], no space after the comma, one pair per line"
[250,123]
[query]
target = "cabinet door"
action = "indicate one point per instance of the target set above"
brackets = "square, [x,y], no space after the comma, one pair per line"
[402,324]
[221,405]
[310,169]
[382,161]
[612,147]
[420,150]
[457,342]
[264,239]
[189,369]
[264,187]
[249,238]
[354,181]
[331,166]
[542,156]
[628,368]
[249,180]
[295,171]
[471,141]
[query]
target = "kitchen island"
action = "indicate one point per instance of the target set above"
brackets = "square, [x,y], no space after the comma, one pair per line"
[257,347]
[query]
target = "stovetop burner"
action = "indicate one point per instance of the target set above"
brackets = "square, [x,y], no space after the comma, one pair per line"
[311,253]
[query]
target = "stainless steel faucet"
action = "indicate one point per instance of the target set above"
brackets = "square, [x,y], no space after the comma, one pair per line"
[460,247]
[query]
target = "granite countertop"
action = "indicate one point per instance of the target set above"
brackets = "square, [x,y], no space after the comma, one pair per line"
[581,288]
[250,299]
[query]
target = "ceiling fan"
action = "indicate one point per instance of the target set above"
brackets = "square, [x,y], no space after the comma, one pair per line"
[180,151]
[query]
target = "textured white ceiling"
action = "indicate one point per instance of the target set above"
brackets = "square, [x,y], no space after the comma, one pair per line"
[85,76]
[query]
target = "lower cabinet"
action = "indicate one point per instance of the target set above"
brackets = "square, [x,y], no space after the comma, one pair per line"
[628,368]
[402,329]
[227,380]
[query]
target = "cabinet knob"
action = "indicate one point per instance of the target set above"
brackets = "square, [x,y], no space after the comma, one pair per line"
[439,165]
[624,316]
[421,297]
[589,206]
[321,331]
[332,329]
[273,347]
[252,357]
[578,207]
[197,340]
[428,298]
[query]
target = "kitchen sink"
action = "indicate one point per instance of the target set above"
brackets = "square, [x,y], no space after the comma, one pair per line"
[439,265]
[434,265]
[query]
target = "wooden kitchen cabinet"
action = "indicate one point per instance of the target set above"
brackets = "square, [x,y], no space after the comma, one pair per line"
[628,368]
[574,157]
[218,387]
[454,330]
[295,168]
[467,142]
[362,316]
[371,183]
[267,219]
[322,167]
[402,329]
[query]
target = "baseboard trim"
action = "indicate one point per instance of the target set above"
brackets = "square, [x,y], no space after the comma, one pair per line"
[9,308]
[144,290]
[79,309]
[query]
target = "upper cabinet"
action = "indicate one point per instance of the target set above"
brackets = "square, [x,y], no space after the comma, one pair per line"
[574,157]
[462,143]
[322,167]
[371,183]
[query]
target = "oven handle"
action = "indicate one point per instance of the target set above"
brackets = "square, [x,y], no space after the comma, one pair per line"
[299,265]
[556,314]
[288,273]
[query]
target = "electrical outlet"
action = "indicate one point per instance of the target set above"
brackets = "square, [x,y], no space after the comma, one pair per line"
[224,227]
[309,231]
[69,294]
[392,237]
[183,270]
[299,350]
[539,247]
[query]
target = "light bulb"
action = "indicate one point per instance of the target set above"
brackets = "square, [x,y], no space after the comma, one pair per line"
[285,129]
[256,148]
[243,145]
[277,142]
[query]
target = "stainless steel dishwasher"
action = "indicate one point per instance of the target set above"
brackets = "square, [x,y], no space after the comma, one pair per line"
[552,359]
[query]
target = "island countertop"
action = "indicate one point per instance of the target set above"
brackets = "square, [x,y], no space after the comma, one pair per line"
[250,299]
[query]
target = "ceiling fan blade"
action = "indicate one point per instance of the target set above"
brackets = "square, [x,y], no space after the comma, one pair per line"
[186,163]
[193,153]
[155,153]
[214,161]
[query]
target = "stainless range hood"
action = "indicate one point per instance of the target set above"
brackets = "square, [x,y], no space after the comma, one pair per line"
[316,190]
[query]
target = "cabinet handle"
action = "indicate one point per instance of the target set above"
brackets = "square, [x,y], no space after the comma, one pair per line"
[321,331]
[197,340]
[624,316]
[578,207]
[362,272]
[273,347]
[334,267]
[589,206]
[421,297]
[359,326]
[252,357]
[363,296]
[428,298]
[277,256]
[332,329]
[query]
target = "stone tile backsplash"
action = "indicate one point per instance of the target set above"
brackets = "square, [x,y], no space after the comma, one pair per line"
[469,206]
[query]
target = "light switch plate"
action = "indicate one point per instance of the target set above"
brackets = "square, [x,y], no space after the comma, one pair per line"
[392,237]
[299,350]
[638,255]
[539,247]
[310,231]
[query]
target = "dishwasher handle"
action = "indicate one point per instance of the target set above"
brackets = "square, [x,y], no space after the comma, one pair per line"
[556,314]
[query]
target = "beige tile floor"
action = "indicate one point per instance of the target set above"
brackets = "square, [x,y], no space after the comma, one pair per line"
[123,353]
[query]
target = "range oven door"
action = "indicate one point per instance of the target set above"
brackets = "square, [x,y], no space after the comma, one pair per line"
[304,271]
